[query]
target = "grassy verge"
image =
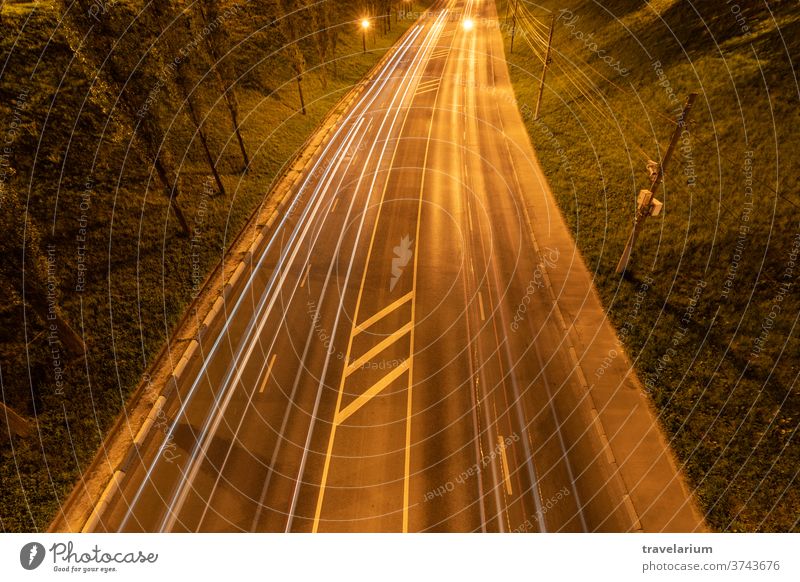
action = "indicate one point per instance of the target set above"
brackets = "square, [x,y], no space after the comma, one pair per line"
[709,309]
[140,275]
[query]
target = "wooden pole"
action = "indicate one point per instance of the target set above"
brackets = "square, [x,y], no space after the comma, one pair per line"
[643,210]
[544,68]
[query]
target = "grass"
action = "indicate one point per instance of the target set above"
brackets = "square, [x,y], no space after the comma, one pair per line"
[716,339]
[140,274]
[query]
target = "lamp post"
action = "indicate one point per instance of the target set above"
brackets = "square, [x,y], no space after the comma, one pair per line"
[364,27]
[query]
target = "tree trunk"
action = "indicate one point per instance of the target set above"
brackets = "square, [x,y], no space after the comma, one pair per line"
[300,91]
[204,142]
[171,192]
[39,302]
[233,108]
[16,424]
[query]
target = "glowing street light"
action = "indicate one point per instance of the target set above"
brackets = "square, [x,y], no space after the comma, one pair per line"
[468,24]
[364,27]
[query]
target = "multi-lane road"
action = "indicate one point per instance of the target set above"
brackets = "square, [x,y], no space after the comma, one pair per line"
[402,354]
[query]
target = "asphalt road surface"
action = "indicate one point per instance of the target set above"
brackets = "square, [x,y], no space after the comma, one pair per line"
[393,361]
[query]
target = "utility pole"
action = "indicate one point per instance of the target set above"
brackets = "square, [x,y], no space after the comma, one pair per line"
[544,67]
[513,25]
[647,204]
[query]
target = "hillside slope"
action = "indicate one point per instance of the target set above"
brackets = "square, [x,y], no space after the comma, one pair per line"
[710,305]
[114,261]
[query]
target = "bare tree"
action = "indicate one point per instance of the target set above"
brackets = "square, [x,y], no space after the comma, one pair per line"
[122,86]
[288,26]
[30,273]
[217,44]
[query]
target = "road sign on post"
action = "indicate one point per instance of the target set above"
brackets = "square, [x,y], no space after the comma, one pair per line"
[647,204]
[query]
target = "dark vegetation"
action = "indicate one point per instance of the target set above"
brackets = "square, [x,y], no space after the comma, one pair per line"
[136,138]
[714,335]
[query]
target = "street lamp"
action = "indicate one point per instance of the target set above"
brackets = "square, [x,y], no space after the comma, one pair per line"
[468,24]
[364,27]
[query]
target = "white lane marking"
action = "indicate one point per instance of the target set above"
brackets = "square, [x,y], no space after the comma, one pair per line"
[305,276]
[363,104]
[266,376]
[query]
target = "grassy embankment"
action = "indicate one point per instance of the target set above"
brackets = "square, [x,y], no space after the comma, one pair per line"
[140,273]
[714,337]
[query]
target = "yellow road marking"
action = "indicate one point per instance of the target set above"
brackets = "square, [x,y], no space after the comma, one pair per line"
[266,376]
[370,393]
[503,457]
[335,202]
[407,469]
[480,305]
[383,313]
[305,277]
[428,84]
[378,348]
[332,436]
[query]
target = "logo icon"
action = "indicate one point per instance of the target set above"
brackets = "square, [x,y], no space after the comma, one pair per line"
[31,555]
[402,255]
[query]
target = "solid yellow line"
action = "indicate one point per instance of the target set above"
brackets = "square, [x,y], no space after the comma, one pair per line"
[332,436]
[480,304]
[382,313]
[409,400]
[378,348]
[335,202]
[303,282]
[266,376]
[505,464]
[371,392]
